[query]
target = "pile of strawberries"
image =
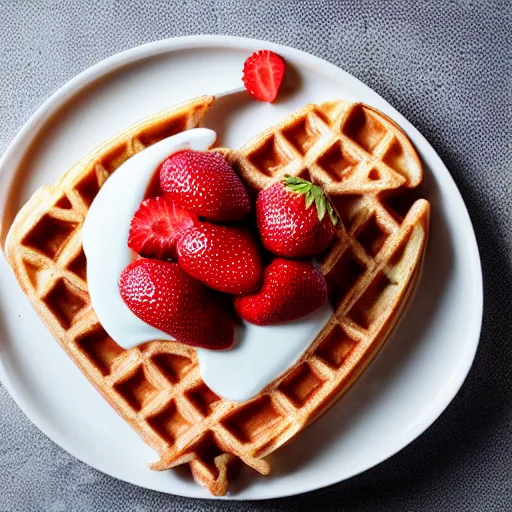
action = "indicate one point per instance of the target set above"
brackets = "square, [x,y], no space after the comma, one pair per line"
[203,259]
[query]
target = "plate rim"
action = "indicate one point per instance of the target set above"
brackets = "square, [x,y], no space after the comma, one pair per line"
[133,55]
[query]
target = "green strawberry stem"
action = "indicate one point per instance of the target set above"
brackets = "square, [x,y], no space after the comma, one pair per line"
[313,194]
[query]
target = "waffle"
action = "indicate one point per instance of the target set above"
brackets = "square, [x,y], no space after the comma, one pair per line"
[368,168]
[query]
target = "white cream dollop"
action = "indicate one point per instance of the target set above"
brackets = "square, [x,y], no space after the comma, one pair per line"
[259,354]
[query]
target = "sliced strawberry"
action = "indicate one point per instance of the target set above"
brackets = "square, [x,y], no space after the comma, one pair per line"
[262,75]
[156,226]
[290,289]
[223,258]
[163,296]
[204,183]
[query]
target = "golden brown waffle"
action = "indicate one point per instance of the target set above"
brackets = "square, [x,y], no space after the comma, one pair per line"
[366,164]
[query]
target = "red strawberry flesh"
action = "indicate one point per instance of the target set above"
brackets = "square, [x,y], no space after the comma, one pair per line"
[290,290]
[163,296]
[262,75]
[203,182]
[223,258]
[290,228]
[156,227]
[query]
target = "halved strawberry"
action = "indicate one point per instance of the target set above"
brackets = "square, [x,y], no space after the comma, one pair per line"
[262,75]
[156,227]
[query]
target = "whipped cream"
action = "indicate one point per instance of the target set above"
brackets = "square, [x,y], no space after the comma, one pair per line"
[105,235]
[259,354]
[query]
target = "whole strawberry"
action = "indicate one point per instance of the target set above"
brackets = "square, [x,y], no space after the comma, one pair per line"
[292,220]
[223,258]
[290,289]
[156,226]
[204,183]
[160,294]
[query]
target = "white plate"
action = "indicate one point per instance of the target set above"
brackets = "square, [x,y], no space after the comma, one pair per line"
[404,390]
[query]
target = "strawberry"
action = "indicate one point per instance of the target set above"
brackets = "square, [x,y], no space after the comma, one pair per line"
[289,225]
[204,183]
[290,289]
[163,296]
[263,74]
[156,226]
[223,258]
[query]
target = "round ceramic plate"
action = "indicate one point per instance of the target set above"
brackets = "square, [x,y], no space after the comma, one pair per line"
[409,384]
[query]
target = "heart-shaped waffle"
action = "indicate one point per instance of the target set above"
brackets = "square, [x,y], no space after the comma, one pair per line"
[367,166]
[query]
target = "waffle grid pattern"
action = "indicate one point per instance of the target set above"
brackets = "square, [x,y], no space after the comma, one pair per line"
[349,148]
[371,269]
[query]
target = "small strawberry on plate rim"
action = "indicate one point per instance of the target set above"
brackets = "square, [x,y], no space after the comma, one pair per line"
[262,75]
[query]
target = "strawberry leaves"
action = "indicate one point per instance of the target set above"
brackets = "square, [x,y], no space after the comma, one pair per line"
[313,194]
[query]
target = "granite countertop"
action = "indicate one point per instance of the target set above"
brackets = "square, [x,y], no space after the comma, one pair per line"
[447,66]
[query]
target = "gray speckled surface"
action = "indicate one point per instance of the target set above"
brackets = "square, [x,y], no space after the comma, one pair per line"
[447,66]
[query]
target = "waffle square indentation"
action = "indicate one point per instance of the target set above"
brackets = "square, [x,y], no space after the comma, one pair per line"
[398,203]
[66,302]
[208,449]
[373,302]
[100,349]
[50,236]
[162,130]
[337,162]
[172,366]
[372,236]
[302,135]
[364,128]
[398,262]
[117,155]
[64,203]
[348,207]
[32,272]
[270,158]
[136,390]
[301,385]
[374,174]
[343,276]
[397,159]
[88,188]
[78,265]
[203,398]
[253,420]
[305,174]
[169,424]
[335,347]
